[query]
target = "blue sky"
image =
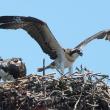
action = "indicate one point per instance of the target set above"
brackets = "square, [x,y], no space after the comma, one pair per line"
[71,21]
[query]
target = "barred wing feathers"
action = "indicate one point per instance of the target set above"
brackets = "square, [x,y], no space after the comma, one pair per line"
[100,35]
[37,29]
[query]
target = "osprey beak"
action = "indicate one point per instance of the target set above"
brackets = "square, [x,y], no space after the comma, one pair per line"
[80,53]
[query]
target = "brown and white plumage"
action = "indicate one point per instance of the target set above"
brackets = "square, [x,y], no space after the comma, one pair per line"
[105,34]
[37,29]
[40,32]
[11,69]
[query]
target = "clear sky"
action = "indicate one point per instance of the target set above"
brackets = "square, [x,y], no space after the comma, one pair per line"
[71,21]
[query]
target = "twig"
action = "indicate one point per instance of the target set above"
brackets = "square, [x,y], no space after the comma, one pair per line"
[75,106]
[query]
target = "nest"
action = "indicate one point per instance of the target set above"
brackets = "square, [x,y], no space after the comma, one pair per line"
[82,90]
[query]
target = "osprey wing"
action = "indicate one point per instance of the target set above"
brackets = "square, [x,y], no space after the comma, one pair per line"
[100,35]
[37,29]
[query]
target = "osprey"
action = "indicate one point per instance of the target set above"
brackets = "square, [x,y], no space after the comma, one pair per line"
[40,32]
[11,69]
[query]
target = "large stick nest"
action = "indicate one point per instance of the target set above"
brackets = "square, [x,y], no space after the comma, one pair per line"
[83,90]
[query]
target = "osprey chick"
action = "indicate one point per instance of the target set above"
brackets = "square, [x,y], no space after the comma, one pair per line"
[40,32]
[11,69]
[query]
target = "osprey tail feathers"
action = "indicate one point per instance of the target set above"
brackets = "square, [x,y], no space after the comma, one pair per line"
[52,65]
[42,69]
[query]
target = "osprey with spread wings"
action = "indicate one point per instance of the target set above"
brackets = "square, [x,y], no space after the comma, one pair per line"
[40,32]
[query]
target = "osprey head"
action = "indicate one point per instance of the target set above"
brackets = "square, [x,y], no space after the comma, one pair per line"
[76,50]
